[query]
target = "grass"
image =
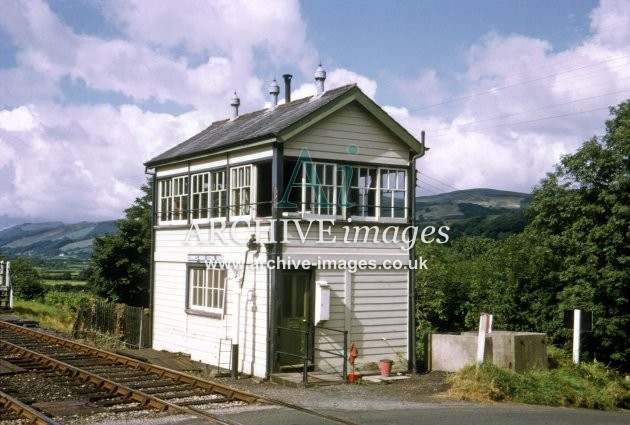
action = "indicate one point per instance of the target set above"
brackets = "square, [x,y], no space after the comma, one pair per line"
[53,282]
[590,385]
[48,316]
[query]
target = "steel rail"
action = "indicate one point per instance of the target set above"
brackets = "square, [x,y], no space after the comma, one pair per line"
[165,372]
[127,393]
[137,364]
[25,411]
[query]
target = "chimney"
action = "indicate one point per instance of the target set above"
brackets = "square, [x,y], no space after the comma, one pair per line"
[287,87]
[235,104]
[320,76]
[274,89]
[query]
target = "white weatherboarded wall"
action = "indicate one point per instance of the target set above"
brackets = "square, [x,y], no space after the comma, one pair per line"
[372,305]
[176,330]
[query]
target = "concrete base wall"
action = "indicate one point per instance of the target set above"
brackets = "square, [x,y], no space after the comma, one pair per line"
[517,351]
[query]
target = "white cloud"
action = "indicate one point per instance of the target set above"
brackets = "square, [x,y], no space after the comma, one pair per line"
[73,161]
[525,106]
[88,158]
[18,119]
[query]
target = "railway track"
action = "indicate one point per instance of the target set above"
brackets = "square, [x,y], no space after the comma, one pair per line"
[103,381]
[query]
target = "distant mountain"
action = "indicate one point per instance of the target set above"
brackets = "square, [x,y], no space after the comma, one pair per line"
[53,239]
[475,212]
[465,204]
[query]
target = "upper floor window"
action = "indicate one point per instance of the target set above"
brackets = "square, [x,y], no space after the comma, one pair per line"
[199,195]
[218,194]
[363,192]
[393,190]
[320,196]
[173,194]
[240,190]
[330,189]
[318,188]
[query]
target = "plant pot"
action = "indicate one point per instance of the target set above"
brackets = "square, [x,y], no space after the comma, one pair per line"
[385,366]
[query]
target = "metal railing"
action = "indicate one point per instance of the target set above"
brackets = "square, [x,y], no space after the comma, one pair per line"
[343,354]
[308,354]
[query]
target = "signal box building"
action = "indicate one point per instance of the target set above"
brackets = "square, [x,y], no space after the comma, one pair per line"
[277,232]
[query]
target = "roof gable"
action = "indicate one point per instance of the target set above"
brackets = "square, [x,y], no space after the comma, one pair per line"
[283,122]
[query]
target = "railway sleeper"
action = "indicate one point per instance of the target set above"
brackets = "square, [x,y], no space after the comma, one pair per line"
[126,409]
[151,384]
[130,377]
[115,401]
[119,370]
[173,390]
[180,395]
[202,402]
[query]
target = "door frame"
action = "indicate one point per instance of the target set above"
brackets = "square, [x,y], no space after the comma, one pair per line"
[278,309]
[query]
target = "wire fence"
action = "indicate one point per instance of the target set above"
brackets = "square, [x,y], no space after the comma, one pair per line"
[117,323]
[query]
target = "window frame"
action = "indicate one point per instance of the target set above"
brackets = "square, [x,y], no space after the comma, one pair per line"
[344,213]
[399,188]
[210,192]
[238,211]
[208,288]
[169,200]
[308,194]
[374,187]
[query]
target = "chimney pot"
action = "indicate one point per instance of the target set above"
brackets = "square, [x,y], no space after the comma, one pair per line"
[287,87]
[320,77]
[235,103]
[274,89]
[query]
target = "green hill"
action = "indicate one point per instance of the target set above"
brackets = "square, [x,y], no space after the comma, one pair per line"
[53,239]
[475,212]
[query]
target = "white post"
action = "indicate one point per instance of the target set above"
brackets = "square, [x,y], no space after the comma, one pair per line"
[485,323]
[1,273]
[576,335]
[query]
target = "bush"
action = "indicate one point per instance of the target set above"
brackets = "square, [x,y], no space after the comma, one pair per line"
[590,385]
[25,280]
[67,300]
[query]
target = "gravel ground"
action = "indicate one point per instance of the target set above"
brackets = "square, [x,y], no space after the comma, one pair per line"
[400,394]
[421,388]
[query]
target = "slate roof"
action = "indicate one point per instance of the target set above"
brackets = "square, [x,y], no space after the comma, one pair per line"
[250,127]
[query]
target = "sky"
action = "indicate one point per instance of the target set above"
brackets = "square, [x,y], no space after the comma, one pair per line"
[91,89]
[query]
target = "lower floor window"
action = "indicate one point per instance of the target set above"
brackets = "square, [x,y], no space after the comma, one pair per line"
[206,289]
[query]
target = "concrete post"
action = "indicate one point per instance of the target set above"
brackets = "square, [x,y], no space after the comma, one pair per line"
[577,317]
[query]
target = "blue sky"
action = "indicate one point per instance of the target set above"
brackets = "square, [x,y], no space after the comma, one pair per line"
[93,88]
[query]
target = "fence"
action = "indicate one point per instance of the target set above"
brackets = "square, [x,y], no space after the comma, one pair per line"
[118,323]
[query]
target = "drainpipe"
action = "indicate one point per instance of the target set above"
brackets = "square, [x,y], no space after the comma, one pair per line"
[274,252]
[412,362]
[252,245]
[153,173]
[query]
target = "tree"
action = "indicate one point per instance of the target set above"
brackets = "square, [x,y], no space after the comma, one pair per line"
[120,264]
[581,212]
[25,280]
